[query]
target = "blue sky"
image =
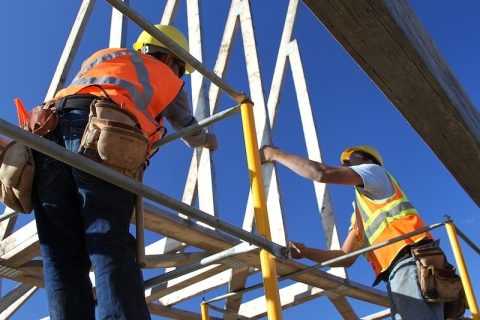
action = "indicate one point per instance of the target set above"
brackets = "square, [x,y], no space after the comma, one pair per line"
[349,110]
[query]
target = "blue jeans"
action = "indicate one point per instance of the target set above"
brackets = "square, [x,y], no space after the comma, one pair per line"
[405,297]
[83,220]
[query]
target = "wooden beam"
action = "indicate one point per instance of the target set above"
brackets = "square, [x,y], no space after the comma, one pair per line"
[238,280]
[11,302]
[296,294]
[71,47]
[182,282]
[20,247]
[173,260]
[173,313]
[170,225]
[390,44]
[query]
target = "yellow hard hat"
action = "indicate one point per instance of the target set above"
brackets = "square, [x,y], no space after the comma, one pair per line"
[171,32]
[367,149]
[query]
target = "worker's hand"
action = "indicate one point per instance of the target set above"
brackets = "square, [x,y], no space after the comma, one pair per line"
[210,141]
[297,249]
[266,153]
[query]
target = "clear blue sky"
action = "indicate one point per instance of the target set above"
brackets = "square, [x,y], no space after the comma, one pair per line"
[348,108]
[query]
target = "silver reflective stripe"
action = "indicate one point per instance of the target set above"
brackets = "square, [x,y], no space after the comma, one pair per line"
[100,59]
[364,215]
[141,100]
[402,206]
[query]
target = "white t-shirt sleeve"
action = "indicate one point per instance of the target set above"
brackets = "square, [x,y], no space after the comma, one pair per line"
[376,182]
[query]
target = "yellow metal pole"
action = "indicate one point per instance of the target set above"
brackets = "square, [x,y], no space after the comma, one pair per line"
[269,271]
[462,269]
[204,310]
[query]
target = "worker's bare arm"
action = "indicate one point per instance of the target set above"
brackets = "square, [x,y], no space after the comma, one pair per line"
[309,169]
[300,250]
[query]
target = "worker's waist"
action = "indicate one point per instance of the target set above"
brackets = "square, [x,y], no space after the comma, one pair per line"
[75,101]
[403,254]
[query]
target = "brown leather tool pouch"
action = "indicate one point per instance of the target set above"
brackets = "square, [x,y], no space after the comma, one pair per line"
[113,139]
[438,279]
[42,119]
[17,167]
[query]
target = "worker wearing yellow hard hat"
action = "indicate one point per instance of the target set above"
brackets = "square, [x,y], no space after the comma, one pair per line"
[382,211]
[148,44]
[83,220]
[365,149]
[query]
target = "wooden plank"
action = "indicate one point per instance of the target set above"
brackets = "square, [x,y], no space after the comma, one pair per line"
[182,282]
[170,12]
[384,314]
[199,288]
[238,280]
[16,249]
[207,189]
[310,134]
[170,260]
[294,295]
[118,28]
[13,300]
[20,247]
[33,280]
[71,47]
[391,45]
[343,307]
[7,226]
[173,313]
[168,224]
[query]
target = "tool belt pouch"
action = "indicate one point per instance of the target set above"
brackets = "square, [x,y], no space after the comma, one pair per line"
[113,139]
[437,278]
[17,169]
[42,119]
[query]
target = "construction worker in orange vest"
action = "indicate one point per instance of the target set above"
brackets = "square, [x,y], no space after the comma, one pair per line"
[381,212]
[83,220]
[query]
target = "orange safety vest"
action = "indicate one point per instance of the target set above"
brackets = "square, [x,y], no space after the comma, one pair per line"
[137,82]
[380,221]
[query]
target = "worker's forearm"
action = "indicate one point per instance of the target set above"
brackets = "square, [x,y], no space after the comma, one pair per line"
[320,256]
[304,167]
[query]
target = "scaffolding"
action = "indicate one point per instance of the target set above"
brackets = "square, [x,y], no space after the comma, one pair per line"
[228,254]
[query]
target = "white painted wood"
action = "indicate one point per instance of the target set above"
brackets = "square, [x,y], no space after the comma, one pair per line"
[170,12]
[281,63]
[385,314]
[118,29]
[182,282]
[20,247]
[175,313]
[313,148]
[296,294]
[71,47]
[6,226]
[206,171]
[10,303]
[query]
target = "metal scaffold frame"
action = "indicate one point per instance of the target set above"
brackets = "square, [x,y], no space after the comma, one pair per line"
[230,254]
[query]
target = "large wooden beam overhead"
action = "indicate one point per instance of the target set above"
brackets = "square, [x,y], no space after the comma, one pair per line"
[390,44]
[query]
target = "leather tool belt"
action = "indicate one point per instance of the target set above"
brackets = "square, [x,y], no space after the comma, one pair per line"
[438,279]
[112,137]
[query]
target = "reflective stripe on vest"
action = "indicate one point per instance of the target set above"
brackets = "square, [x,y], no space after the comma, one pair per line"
[378,221]
[141,100]
[375,215]
[395,210]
